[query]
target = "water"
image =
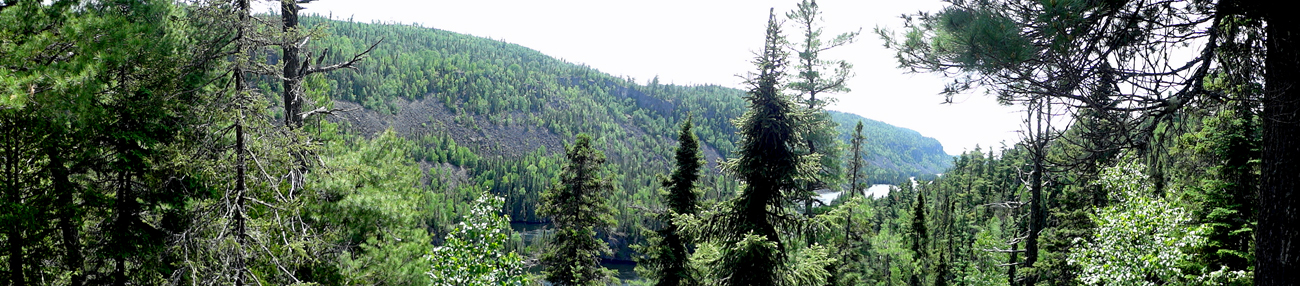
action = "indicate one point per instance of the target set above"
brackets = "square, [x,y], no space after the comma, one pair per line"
[530,232]
[626,270]
[875,191]
[533,233]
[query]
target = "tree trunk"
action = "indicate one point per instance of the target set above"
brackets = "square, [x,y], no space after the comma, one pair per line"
[1035,210]
[15,250]
[68,219]
[241,88]
[1278,259]
[1038,138]
[292,78]
[13,196]
[240,188]
[15,241]
[124,210]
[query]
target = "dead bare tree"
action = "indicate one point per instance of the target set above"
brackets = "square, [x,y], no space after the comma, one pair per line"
[297,67]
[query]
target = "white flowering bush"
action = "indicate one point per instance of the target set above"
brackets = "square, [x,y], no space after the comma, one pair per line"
[475,251]
[1143,239]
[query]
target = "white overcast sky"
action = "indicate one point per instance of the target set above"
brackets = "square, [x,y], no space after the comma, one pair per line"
[710,42]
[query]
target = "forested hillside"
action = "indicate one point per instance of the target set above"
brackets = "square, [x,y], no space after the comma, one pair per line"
[893,154]
[511,109]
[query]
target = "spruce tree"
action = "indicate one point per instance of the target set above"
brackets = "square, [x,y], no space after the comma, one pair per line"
[576,207]
[669,249]
[920,239]
[855,187]
[767,164]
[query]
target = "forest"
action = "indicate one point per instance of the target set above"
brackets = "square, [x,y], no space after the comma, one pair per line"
[160,142]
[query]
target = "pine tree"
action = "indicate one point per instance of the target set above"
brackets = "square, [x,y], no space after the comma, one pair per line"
[669,248]
[576,206]
[817,76]
[855,187]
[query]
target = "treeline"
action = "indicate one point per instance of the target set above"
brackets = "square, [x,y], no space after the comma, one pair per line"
[1124,175]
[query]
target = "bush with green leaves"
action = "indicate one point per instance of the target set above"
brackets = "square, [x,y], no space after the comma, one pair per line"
[1144,239]
[475,251]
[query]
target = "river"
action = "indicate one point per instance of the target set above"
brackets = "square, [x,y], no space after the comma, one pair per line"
[875,191]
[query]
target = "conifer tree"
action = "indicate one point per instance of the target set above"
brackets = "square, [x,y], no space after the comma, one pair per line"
[767,163]
[920,239]
[855,187]
[1225,190]
[669,248]
[576,206]
[296,68]
[818,76]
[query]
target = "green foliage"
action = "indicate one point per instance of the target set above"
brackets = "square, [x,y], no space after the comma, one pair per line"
[474,252]
[1144,240]
[99,98]
[1221,188]
[816,75]
[667,251]
[681,197]
[381,212]
[979,39]
[577,207]
[767,163]
[119,166]
[920,236]
[749,238]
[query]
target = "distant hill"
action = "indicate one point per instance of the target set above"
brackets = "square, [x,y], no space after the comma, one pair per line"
[894,153]
[499,114]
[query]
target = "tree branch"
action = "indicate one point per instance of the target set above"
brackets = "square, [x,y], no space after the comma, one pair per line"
[323,110]
[350,64]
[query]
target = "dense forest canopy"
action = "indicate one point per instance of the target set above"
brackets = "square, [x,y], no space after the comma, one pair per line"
[194,142]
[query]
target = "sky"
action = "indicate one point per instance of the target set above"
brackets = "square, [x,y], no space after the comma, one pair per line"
[712,42]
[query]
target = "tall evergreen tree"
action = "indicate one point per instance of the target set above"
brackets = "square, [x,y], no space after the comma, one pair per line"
[670,248]
[855,187]
[767,163]
[577,208]
[818,76]
[920,242]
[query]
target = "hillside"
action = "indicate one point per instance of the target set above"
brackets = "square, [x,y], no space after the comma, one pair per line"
[501,113]
[894,153]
